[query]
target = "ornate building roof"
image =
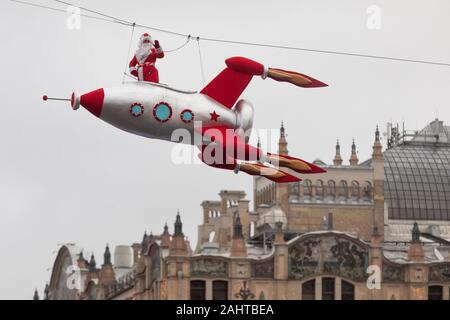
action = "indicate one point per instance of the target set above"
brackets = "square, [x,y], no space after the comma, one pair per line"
[417,175]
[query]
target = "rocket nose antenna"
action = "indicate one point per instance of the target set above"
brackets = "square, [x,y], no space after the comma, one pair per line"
[46,98]
[75,100]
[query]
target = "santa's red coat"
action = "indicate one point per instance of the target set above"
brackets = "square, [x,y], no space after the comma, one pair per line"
[146,70]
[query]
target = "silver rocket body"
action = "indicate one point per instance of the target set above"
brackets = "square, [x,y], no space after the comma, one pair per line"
[117,102]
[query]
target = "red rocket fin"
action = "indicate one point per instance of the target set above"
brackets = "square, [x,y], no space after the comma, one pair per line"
[233,145]
[298,165]
[253,169]
[274,174]
[298,79]
[228,85]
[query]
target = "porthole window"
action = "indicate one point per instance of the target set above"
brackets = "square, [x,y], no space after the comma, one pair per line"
[162,111]
[136,109]
[187,116]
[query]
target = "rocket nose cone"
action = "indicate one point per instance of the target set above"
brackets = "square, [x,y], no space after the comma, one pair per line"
[93,101]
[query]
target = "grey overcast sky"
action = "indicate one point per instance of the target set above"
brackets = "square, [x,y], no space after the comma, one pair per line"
[68,177]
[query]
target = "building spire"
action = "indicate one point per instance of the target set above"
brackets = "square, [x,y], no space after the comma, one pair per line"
[36,295]
[237,230]
[107,256]
[377,153]
[165,237]
[81,261]
[337,157]
[238,248]
[178,225]
[144,242]
[415,233]
[415,248]
[92,264]
[178,245]
[282,142]
[354,158]
[166,229]
[80,255]
[46,291]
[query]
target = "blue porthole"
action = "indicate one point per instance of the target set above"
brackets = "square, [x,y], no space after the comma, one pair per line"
[187,115]
[162,111]
[136,109]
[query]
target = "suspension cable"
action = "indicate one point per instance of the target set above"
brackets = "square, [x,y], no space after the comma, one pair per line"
[112,19]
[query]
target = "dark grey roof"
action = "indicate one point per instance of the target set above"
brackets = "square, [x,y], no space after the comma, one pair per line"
[417,176]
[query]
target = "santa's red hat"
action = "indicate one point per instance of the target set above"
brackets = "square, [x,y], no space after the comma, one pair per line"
[146,36]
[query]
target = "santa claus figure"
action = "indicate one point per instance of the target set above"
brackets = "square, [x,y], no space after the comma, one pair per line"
[142,65]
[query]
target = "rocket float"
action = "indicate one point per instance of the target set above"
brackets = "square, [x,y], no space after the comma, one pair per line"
[156,111]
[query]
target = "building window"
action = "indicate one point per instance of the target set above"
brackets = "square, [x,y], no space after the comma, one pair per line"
[343,189]
[367,191]
[347,291]
[294,191]
[211,236]
[355,190]
[309,290]
[198,290]
[331,189]
[307,189]
[162,111]
[435,293]
[327,288]
[220,290]
[319,190]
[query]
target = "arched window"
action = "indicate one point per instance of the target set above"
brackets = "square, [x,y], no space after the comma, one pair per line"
[331,189]
[220,290]
[309,290]
[294,188]
[274,193]
[265,196]
[367,191]
[435,293]
[211,236]
[198,290]
[347,291]
[319,189]
[252,228]
[307,189]
[355,190]
[327,288]
[294,191]
[343,189]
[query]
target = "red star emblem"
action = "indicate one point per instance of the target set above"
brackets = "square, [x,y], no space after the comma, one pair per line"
[214,116]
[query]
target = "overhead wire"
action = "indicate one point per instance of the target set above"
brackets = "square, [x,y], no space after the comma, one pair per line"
[128,54]
[62,10]
[201,61]
[324,51]
[109,18]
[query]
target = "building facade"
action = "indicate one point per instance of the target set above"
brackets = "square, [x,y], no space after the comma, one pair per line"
[379,229]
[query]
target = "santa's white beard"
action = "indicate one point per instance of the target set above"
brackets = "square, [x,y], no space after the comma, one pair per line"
[143,52]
